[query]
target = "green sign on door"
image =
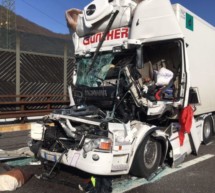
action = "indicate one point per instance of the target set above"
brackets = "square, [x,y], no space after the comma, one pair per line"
[189,22]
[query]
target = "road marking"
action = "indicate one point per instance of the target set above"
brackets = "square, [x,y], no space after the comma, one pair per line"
[126,185]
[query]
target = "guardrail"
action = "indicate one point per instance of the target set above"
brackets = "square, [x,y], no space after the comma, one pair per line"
[22,106]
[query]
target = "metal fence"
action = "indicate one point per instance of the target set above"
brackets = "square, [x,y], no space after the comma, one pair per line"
[29,42]
[34,65]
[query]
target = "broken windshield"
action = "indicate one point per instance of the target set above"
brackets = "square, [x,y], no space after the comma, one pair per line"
[91,76]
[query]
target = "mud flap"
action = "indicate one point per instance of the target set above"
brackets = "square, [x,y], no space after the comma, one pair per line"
[194,137]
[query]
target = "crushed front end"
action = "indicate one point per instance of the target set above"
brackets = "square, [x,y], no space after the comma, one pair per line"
[88,142]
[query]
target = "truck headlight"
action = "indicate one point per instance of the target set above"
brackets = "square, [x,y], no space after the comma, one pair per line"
[100,144]
[105,144]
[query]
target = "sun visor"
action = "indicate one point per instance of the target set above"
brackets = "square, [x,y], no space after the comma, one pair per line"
[153,20]
[96,11]
[97,15]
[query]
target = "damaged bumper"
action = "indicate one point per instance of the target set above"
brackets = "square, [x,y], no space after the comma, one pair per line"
[92,162]
[88,144]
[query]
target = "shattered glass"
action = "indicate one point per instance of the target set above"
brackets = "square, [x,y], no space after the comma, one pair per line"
[92,76]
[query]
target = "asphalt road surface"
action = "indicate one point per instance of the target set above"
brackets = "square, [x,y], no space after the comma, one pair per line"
[196,175]
[199,177]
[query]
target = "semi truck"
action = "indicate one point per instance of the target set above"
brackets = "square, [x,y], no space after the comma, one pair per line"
[142,93]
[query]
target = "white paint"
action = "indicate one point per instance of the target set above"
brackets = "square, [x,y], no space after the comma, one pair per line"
[127,185]
[155,20]
[200,52]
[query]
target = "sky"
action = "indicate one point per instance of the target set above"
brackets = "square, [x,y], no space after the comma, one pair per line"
[51,13]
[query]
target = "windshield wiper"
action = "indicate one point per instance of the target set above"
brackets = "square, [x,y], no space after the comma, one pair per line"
[103,38]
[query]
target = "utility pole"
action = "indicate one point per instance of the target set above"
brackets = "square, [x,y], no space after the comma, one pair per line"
[7,24]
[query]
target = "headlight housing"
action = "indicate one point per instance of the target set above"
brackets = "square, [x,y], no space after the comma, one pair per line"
[102,144]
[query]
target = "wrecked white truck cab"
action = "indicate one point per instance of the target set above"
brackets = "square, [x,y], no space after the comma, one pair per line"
[137,81]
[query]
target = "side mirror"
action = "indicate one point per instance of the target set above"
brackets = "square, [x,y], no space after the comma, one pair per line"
[139,58]
[194,96]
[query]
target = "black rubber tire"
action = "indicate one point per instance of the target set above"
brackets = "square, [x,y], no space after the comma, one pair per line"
[145,161]
[207,130]
[213,117]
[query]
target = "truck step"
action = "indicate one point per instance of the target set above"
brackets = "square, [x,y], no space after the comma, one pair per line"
[179,160]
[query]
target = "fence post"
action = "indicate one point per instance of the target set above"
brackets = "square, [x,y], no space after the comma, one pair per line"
[17,65]
[65,72]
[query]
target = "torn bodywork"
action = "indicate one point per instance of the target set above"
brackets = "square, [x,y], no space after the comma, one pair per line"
[132,104]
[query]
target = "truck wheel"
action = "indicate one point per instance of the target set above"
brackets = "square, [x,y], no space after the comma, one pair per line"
[207,130]
[147,158]
[213,124]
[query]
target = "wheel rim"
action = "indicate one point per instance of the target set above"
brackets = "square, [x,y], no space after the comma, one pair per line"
[150,154]
[207,129]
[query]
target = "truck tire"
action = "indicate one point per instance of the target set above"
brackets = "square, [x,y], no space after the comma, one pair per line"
[207,130]
[213,116]
[147,158]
